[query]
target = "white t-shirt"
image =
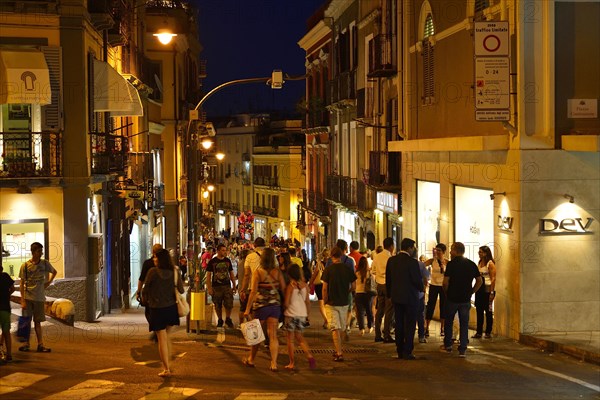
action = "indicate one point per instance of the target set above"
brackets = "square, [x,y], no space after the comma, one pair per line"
[379,265]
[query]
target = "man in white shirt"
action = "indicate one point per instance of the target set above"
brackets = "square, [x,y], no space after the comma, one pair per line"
[385,308]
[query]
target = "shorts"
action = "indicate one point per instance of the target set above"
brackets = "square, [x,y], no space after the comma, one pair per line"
[223,297]
[161,318]
[294,324]
[336,316]
[319,291]
[35,309]
[5,320]
[263,313]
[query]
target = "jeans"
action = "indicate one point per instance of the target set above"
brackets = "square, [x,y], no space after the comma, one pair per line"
[463,310]
[421,317]
[364,305]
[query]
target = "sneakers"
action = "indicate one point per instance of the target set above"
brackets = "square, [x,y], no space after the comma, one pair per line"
[476,336]
[220,323]
[229,323]
[488,336]
[422,340]
[445,349]
[462,354]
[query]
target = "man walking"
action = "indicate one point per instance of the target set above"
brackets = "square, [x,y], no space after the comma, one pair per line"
[338,283]
[219,280]
[385,308]
[458,286]
[36,275]
[404,283]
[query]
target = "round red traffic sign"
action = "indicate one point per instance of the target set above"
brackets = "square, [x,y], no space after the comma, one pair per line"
[491,43]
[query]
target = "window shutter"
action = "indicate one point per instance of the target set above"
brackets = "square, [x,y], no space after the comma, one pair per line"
[52,113]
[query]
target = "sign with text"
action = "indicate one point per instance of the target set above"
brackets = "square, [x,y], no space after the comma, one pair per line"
[387,202]
[492,82]
[566,226]
[582,108]
[491,38]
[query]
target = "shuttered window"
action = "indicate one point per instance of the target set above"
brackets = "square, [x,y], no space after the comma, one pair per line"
[428,62]
[52,113]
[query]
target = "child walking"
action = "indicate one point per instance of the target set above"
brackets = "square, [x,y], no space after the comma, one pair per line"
[297,305]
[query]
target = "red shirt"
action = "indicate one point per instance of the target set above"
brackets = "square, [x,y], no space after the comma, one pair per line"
[355,254]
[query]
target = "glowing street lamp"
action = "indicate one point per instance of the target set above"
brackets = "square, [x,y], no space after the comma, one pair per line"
[220,156]
[164,36]
[206,144]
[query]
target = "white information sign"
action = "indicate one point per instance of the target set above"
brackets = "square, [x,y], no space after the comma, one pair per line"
[491,38]
[492,83]
[582,108]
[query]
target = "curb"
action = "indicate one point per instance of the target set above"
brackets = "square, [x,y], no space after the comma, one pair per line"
[554,347]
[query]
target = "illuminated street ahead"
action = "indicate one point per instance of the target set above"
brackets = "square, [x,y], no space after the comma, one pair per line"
[113,359]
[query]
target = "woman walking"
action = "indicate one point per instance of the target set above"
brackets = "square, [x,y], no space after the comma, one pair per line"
[364,295]
[486,294]
[160,296]
[315,280]
[265,303]
[297,305]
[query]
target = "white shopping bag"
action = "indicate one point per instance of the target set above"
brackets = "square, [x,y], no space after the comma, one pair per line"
[253,333]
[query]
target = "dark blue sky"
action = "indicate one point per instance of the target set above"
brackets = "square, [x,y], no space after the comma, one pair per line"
[249,39]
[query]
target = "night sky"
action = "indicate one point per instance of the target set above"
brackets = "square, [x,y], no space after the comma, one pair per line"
[249,39]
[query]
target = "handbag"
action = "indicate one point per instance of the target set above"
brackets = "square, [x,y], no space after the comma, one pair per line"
[183,308]
[24,323]
[253,332]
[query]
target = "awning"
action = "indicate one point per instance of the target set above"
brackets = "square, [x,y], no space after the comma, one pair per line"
[24,77]
[112,92]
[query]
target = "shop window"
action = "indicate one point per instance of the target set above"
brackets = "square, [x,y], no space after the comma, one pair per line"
[16,238]
[428,216]
[474,219]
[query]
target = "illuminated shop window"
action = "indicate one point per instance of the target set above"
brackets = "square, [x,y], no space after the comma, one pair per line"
[428,216]
[16,238]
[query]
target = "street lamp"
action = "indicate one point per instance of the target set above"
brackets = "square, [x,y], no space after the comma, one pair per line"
[220,156]
[206,143]
[164,36]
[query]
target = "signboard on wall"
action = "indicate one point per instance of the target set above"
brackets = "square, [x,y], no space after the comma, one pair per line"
[387,202]
[582,108]
[491,38]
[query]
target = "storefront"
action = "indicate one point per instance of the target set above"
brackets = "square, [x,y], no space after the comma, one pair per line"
[428,216]
[260,228]
[388,222]
[474,219]
[346,226]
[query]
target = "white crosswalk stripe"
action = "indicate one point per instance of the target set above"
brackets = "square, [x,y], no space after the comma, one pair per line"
[171,393]
[85,390]
[102,371]
[18,380]
[261,396]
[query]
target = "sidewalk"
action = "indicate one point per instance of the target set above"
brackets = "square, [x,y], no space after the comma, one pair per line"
[583,345]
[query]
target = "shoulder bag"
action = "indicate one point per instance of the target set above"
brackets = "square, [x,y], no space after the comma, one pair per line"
[183,308]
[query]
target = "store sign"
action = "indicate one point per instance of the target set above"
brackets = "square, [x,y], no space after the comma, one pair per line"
[150,191]
[505,223]
[387,202]
[582,108]
[566,226]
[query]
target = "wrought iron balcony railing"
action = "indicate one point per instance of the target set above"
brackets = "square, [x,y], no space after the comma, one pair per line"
[334,186]
[365,196]
[348,191]
[109,153]
[384,168]
[272,181]
[30,154]
[269,212]
[382,62]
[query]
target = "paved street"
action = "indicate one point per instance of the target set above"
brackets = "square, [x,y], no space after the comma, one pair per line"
[113,359]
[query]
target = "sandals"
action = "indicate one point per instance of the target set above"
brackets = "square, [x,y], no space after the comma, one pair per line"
[247,363]
[273,369]
[338,358]
[42,349]
[165,373]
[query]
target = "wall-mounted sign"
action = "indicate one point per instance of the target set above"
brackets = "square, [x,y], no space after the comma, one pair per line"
[505,224]
[491,38]
[150,191]
[582,108]
[566,226]
[387,202]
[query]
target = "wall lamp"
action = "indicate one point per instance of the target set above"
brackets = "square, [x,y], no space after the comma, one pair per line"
[164,36]
[493,195]
[206,144]
[569,197]
[220,156]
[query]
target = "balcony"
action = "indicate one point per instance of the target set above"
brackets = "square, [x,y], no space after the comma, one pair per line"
[348,191]
[315,203]
[343,88]
[224,205]
[382,61]
[30,6]
[334,188]
[30,155]
[271,181]
[269,212]
[365,196]
[384,169]
[109,153]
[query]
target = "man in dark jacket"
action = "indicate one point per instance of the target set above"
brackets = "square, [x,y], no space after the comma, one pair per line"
[403,283]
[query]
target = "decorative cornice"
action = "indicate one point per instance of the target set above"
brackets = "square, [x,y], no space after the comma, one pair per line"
[312,37]
[369,18]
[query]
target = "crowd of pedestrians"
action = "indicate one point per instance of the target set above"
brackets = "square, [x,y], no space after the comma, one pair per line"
[388,291]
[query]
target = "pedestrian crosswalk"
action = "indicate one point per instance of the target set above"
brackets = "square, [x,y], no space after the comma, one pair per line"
[90,389]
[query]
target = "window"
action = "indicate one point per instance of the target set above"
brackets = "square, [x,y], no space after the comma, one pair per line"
[17,237]
[428,61]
